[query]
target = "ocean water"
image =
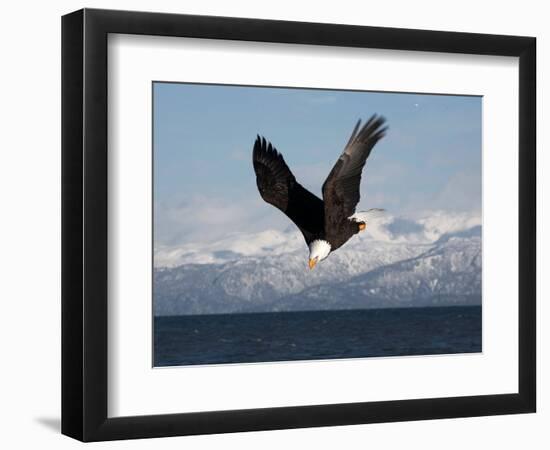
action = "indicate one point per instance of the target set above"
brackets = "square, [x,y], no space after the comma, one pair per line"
[291,336]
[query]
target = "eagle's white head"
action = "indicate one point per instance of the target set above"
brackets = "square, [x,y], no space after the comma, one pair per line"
[318,250]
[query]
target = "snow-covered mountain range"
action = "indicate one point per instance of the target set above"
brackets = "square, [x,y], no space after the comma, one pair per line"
[434,259]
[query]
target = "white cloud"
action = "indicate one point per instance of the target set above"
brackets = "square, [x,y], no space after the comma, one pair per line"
[204,218]
[462,192]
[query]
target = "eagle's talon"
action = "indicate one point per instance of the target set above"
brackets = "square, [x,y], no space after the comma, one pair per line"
[362,226]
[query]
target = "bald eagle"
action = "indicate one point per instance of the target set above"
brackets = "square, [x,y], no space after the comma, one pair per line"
[329,223]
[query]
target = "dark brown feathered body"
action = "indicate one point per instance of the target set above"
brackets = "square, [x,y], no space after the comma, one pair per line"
[327,219]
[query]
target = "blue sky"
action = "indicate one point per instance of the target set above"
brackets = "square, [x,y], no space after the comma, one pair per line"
[204,183]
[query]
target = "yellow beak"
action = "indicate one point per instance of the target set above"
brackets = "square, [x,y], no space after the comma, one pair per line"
[312,263]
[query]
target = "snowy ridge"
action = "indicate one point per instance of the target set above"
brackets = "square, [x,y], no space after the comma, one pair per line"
[398,262]
[424,229]
[448,273]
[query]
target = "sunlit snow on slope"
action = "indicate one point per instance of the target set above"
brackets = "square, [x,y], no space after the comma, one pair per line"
[425,229]
[396,261]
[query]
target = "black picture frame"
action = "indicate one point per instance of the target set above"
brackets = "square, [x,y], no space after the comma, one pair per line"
[84,224]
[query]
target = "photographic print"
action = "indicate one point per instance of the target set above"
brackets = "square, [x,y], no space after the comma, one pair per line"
[312,224]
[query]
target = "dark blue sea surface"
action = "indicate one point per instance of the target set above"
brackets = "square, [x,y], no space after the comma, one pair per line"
[290,336]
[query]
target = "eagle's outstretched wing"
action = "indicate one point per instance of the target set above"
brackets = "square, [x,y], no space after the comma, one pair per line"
[341,188]
[278,186]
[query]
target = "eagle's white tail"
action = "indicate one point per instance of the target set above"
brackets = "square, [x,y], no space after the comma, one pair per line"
[367,216]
